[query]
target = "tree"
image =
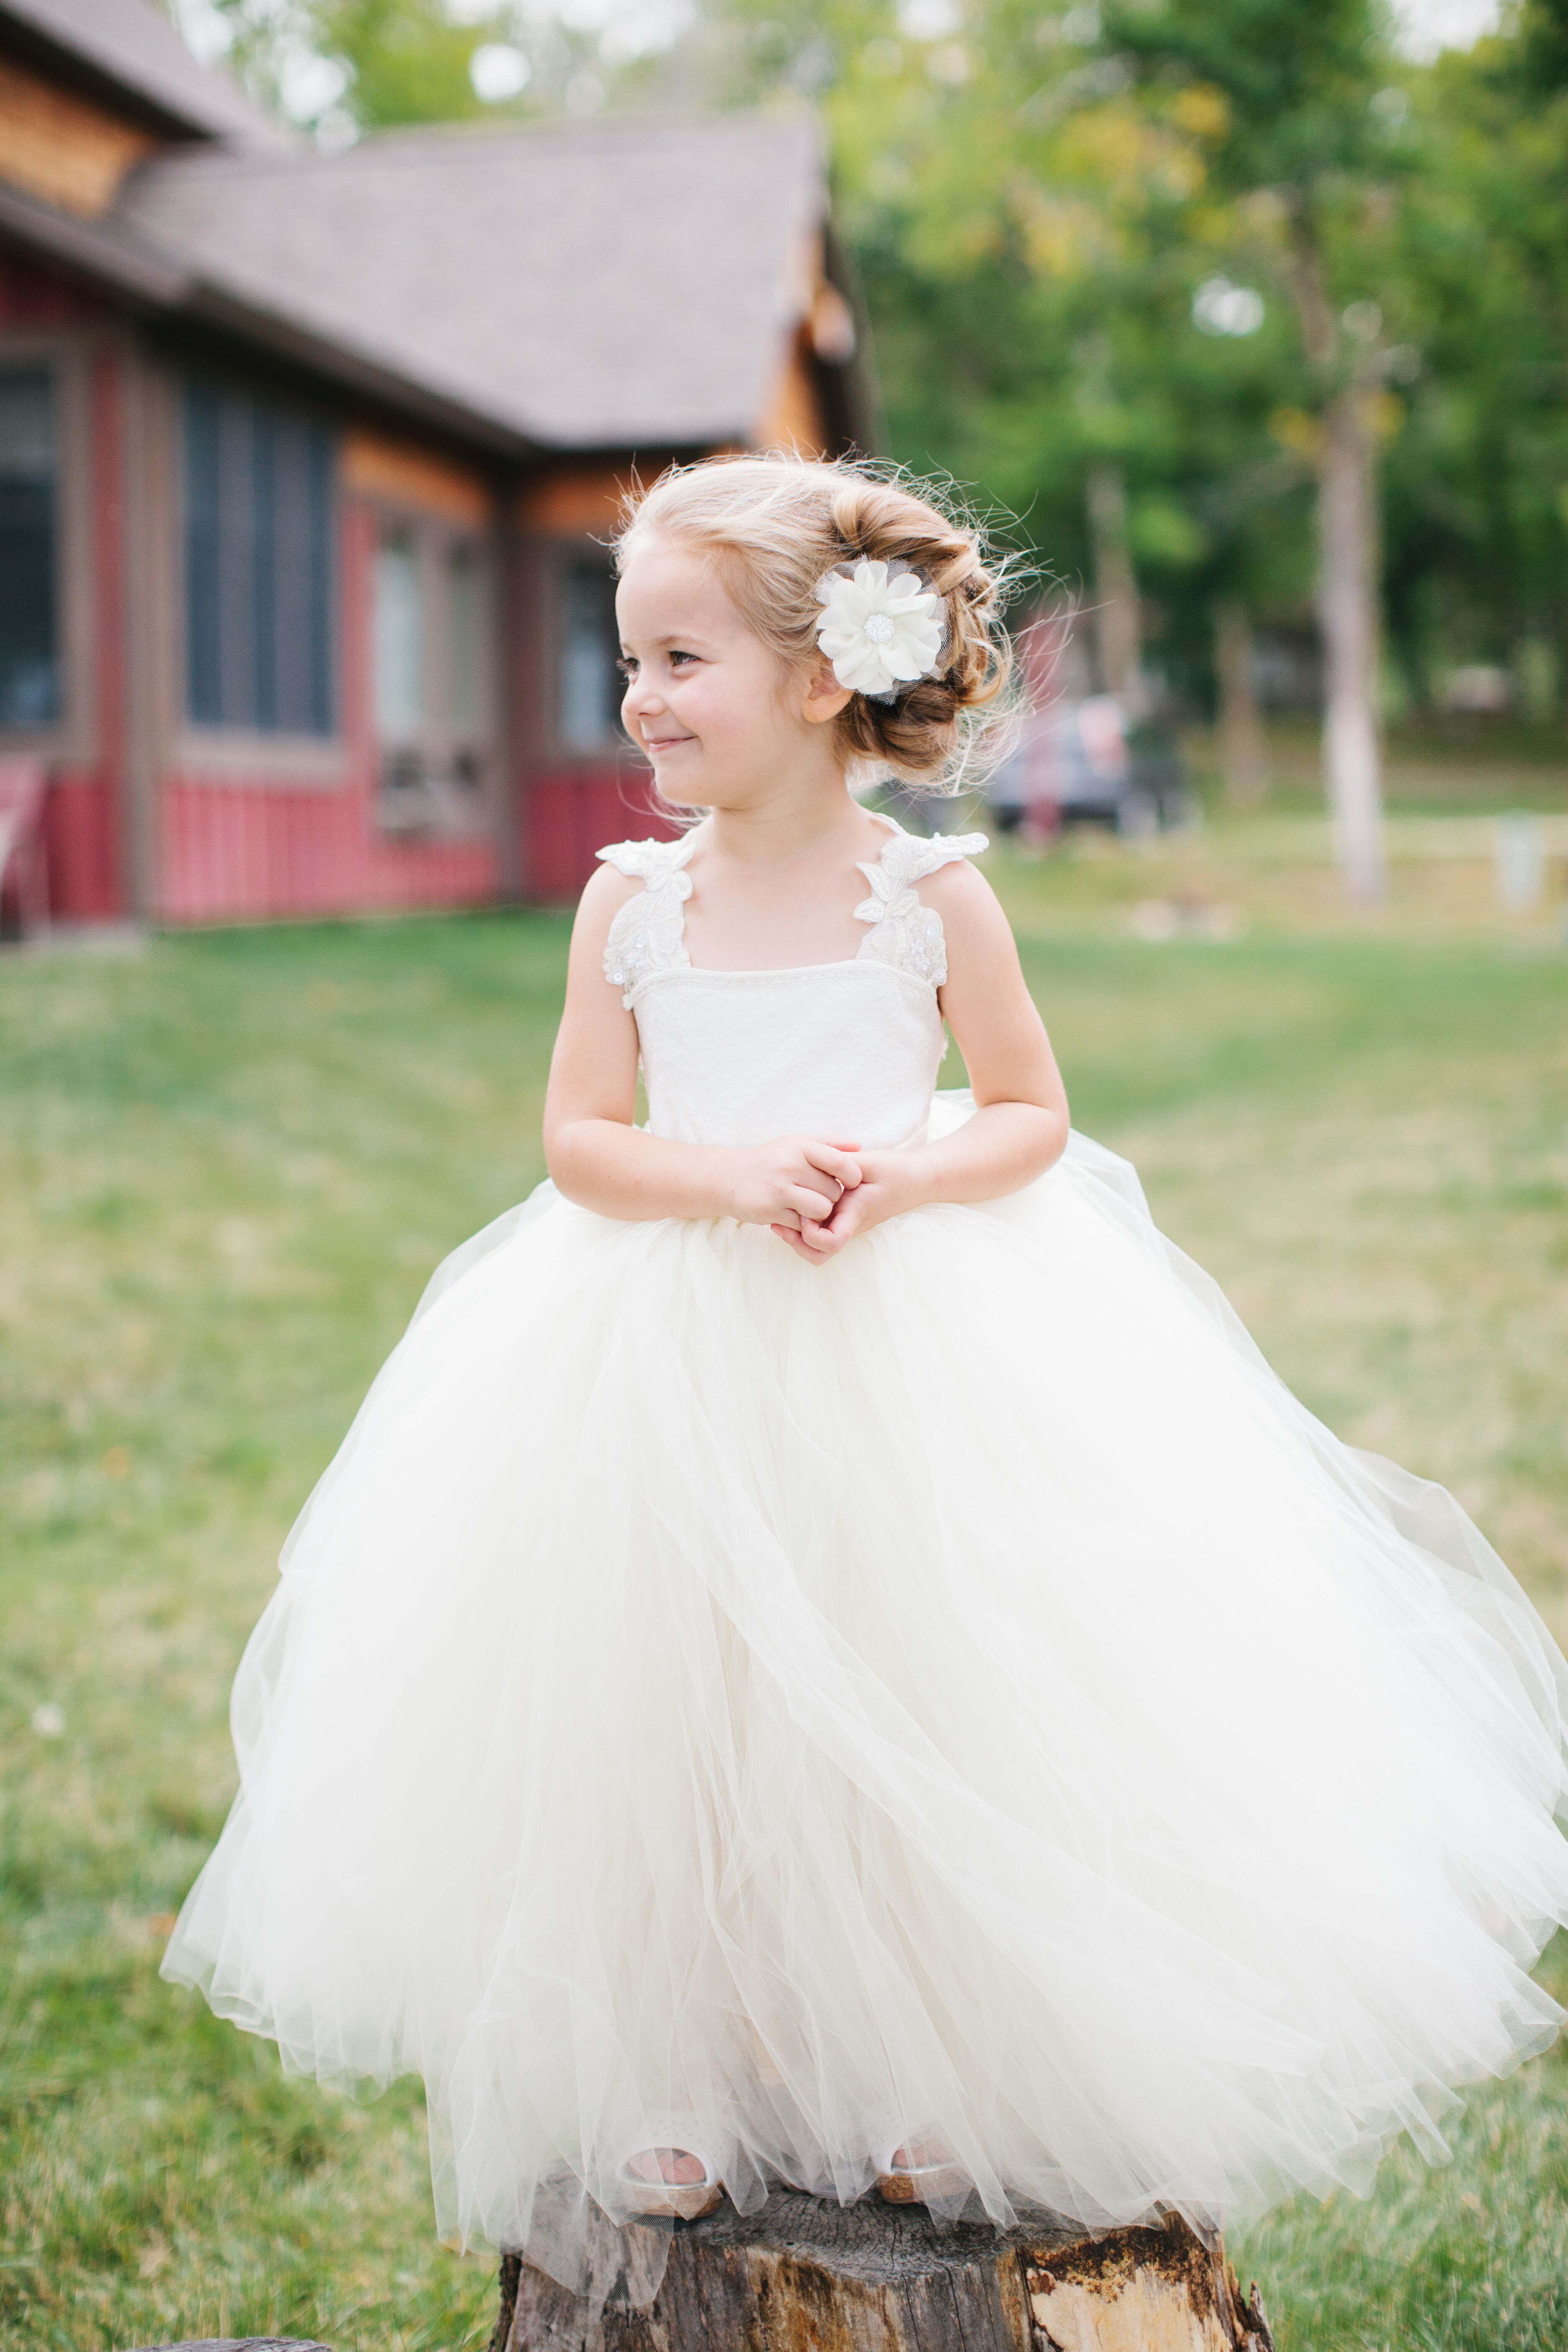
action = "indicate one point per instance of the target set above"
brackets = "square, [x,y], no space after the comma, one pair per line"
[1304,103]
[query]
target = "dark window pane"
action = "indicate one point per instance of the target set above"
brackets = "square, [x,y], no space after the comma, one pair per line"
[264,438]
[317,602]
[29,620]
[589,686]
[204,687]
[259,565]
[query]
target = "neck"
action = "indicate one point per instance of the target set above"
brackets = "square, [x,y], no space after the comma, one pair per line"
[797,814]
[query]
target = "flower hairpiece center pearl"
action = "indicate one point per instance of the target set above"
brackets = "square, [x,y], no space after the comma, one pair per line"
[880,627]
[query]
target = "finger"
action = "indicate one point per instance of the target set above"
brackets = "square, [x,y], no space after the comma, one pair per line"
[809,1206]
[847,1218]
[818,1237]
[785,1233]
[835,1159]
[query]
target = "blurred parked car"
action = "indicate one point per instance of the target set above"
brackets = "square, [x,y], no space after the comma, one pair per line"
[1080,762]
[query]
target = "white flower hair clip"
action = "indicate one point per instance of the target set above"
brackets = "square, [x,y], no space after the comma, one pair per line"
[882,628]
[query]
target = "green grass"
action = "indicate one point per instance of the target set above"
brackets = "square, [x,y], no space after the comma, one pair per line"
[226,1166]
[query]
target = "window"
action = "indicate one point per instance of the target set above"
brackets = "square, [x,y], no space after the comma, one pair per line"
[30,668]
[588,684]
[258,566]
[399,639]
[433,619]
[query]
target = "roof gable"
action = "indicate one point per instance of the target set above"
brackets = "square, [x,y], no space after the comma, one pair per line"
[629,283]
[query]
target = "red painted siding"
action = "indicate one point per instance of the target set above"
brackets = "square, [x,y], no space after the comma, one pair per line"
[238,850]
[79,834]
[83,813]
[570,813]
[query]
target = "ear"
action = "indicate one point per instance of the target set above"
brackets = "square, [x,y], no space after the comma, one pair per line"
[824,698]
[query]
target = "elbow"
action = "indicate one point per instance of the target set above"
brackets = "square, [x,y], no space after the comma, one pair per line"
[1049,1140]
[563,1157]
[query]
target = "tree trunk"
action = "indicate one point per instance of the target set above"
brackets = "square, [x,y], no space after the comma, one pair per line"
[1347,570]
[1117,634]
[241,2344]
[1347,619]
[1243,753]
[878,2278]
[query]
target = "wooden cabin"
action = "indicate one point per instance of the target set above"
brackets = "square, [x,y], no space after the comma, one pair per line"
[307,463]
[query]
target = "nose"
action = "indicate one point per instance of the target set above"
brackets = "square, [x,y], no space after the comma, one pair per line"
[640,700]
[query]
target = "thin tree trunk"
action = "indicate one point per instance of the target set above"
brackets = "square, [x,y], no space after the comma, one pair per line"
[1347,578]
[1347,619]
[1115,586]
[1243,753]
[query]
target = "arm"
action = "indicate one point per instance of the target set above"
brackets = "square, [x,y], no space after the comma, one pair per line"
[1020,1128]
[599,1158]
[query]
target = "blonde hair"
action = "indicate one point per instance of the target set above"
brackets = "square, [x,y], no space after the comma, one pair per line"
[779,521]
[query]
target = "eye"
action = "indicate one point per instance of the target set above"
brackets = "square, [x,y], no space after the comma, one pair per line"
[626,665]
[676,658]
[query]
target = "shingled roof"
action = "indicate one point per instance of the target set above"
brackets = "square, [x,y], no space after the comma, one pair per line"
[130,47]
[630,282]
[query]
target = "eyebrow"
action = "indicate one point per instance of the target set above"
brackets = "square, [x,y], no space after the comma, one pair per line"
[671,637]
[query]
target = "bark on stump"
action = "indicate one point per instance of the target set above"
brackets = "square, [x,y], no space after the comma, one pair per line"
[807,2276]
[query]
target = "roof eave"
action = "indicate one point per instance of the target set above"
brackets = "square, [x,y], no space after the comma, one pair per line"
[111,257]
[233,122]
[115,261]
[213,306]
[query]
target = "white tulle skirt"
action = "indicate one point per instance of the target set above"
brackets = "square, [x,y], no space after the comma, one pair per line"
[957,1691]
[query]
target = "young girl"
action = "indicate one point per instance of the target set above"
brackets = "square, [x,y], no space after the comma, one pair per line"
[827,1656]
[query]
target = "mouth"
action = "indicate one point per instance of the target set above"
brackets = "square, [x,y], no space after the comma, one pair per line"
[666,742]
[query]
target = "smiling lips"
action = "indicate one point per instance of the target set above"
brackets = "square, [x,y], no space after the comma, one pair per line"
[666,742]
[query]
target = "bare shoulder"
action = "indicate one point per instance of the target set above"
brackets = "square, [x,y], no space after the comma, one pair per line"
[969,906]
[603,895]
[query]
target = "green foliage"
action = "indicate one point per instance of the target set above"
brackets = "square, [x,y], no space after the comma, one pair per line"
[408,62]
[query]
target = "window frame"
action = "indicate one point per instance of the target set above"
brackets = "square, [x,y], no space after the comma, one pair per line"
[562,552]
[215,752]
[71,737]
[433,807]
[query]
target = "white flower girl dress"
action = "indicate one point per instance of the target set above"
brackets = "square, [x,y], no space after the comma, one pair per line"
[955,1691]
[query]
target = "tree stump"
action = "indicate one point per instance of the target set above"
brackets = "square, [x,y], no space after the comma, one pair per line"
[803,2275]
[240,2344]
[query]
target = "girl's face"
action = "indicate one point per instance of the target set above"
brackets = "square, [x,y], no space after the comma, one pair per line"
[722,719]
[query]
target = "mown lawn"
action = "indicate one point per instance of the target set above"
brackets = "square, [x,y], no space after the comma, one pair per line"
[226,1165]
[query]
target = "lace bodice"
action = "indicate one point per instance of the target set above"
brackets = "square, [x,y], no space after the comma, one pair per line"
[846,1050]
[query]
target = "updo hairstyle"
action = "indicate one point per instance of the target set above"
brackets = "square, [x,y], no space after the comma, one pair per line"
[777,523]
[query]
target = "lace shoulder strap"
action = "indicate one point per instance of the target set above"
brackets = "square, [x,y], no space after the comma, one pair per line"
[905,932]
[648,933]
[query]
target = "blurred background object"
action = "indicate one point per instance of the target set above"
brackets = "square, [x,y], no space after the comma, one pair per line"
[309,451]
[332,331]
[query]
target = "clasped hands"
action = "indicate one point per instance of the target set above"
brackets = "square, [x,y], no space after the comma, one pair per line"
[816,1195]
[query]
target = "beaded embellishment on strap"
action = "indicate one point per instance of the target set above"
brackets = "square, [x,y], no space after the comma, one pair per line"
[905,932]
[647,935]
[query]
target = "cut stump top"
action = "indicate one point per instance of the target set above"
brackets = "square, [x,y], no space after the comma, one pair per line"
[240,2344]
[873,2277]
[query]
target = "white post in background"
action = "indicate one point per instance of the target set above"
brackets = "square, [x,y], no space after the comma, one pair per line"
[1520,861]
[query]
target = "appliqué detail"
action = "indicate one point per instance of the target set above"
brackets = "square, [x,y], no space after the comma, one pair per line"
[905,932]
[647,935]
